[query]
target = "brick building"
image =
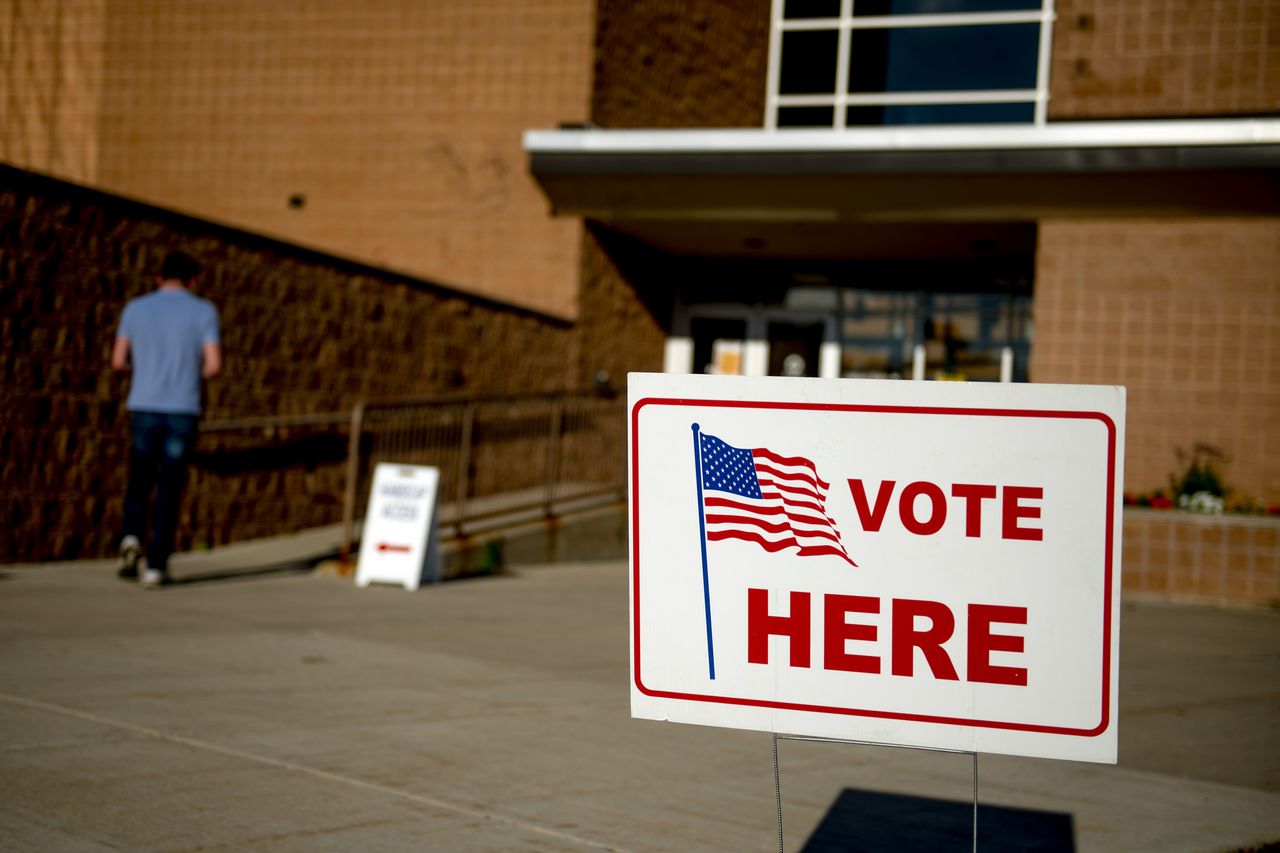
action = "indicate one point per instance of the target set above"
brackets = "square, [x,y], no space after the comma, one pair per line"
[812,187]
[1096,188]
[351,176]
[820,186]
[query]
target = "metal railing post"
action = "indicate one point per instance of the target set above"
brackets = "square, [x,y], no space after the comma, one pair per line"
[1006,364]
[553,455]
[464,464]
[353,473]
[580,452]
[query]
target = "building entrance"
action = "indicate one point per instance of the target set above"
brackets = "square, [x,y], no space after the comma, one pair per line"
[858,320]
[794,348]
[719,343]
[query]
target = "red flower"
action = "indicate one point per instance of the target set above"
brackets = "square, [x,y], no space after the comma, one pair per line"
[1161,502]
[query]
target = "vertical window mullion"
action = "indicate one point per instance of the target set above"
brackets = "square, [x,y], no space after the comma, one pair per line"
[774,70]
[1047,17]
[842,62]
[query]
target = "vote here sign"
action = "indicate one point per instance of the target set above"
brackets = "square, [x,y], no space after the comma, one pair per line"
[922,563]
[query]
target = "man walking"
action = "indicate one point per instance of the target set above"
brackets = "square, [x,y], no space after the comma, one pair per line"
[170,340]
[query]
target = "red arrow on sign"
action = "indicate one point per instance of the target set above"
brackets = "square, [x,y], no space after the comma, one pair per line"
[399,549]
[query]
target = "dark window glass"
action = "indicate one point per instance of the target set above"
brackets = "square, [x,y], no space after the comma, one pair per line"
[706,331]
[939,59]
[941,114]
[808,63]
[865,8]
[806,116]
[962,333]
[797,9]
[794,348]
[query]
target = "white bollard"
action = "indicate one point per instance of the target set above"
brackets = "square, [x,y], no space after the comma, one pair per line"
[1006,364]
[677,355]
[917,363]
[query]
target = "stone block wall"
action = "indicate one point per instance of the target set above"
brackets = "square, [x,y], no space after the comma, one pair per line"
[667,63]
[625,308]
[302,333]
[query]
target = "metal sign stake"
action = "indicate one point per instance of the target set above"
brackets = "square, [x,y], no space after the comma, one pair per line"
[975,802]
[777,778]
[777,789]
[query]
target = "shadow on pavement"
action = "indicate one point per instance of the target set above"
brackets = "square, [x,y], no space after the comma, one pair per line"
[874,821]
[246,573]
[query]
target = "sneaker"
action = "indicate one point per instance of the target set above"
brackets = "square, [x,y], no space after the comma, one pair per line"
[153,578]
[130,556]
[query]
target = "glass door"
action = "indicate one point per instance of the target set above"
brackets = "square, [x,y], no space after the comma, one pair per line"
[794,346]
[719,344]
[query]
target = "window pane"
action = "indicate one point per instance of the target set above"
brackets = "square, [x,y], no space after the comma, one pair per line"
[876,333]
[936,59]
[806,116]
[794,348]
[863,8]
[717,344]
[796,9]
[808,63]
[962,333]
[942,114]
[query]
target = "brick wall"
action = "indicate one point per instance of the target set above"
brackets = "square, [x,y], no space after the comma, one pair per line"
[662,63]
[51,81]
[1201,557]
[302,332]
[1164,58]
[397,126]
[1186,313]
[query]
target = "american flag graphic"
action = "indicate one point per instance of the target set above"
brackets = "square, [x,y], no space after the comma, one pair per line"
[777,502]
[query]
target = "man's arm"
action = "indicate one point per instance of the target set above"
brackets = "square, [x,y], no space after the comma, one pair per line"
[212,364]
[120,355]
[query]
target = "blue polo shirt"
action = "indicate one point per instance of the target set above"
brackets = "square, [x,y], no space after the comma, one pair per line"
[167,331]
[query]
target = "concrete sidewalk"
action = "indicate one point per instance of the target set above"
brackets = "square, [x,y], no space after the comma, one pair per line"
[262,707]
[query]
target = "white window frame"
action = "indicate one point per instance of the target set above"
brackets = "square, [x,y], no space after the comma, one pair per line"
[844,25]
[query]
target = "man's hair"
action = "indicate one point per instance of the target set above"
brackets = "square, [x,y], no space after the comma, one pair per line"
[179,265]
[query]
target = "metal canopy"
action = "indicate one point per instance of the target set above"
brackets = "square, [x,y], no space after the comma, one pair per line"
[909,175]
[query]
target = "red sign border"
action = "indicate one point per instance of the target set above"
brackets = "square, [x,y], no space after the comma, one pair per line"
[1110,425]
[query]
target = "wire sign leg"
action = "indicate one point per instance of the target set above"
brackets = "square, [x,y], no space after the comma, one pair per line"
[777,790]
[975,801]
[777,779]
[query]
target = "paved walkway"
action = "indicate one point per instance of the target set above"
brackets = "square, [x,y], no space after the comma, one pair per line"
[262,707]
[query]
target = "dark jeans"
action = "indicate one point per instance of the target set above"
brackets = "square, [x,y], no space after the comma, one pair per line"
[162,445]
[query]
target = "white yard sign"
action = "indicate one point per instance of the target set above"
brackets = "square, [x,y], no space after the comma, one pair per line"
[399,542]
[924,563]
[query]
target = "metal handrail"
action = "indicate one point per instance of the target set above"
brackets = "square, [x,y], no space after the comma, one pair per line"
[540,447]
[465,463]
[273,421]
[344,417]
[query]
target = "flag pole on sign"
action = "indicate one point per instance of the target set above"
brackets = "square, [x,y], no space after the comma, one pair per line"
[702,539]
